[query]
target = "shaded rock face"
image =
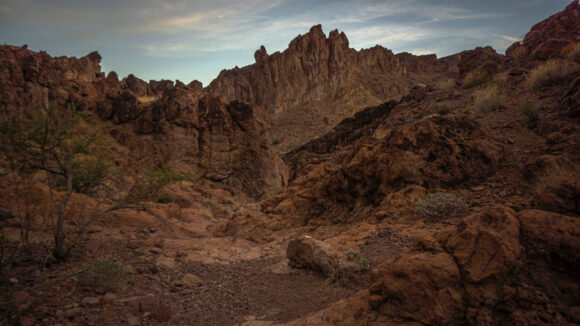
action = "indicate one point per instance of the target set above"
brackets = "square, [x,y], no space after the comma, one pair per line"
[158,121]
[318,81]
[437,152]
[547,38]
[487,271]
[563,198]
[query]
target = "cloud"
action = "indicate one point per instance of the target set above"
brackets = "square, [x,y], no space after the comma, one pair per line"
[508,38]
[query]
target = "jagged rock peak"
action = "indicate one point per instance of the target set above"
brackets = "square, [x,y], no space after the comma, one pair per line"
[316,38]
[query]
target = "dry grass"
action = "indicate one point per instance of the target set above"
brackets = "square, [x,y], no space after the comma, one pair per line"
[531,109]
[441,205]
[446,84]
[147,100]
[555,174]
[519,52]
[551,72]
[475,78]
[571,51]
[488,99]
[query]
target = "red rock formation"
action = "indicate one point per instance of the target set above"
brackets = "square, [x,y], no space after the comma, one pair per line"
[318,81]
[158,121]
[547,38]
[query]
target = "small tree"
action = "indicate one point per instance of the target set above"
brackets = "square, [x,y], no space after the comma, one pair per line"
[70,152]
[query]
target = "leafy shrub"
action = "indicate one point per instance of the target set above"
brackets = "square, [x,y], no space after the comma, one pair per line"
[165,198]
[440,205]
[550,72]
[488,99]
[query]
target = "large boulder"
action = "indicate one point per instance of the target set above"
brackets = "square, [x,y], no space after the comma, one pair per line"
[307,252]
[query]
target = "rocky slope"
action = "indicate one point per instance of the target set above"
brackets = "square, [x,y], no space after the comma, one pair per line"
[319,81]
[156,122]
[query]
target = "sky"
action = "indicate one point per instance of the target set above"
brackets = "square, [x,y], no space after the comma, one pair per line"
[196,39]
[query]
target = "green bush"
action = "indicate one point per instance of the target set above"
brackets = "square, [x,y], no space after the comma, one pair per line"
[440,205]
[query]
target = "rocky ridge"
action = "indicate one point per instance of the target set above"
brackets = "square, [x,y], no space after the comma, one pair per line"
[319,81]
[155,122]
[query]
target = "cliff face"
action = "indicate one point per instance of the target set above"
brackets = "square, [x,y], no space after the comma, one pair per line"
[318,81]
[154,122]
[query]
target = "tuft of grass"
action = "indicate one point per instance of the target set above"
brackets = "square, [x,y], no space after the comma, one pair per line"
[440,205]
[571,51]
[556,174]
[228,201]
[475,78]
[365,264]
[519,52]
[446,85]
[551,72]
[488,99]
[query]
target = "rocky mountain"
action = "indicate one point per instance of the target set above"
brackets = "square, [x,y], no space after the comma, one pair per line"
[156,122]
[454,202]
[319,81]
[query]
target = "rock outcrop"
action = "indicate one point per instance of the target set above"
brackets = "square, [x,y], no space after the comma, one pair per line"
[319,81]
[157,122]
[547,39]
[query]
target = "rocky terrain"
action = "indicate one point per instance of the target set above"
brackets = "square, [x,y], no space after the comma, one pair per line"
[319,81]
[421,191]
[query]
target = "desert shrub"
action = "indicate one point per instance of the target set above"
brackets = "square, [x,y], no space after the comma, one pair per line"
[475,78]
[488,99]
[519,52]
[165,198]
[556,174]
[228,201]
[276,141]
[531,110]
[352,255]
[571,51]
[147,100]
[104,272]
[441,108]
[446,84]
[552,71]
[365,264]
[439,205]
[88,173]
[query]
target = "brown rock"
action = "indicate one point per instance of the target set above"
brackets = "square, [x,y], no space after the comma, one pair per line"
[314,254]
[562,198]
[192,280]
[489,246]
[547,38]
[315,76]
[421,287]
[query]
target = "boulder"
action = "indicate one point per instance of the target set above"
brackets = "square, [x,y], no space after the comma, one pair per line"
[306,252]
[561,198]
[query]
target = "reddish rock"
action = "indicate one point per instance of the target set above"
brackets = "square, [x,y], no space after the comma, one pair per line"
[323,79]
[547,38]
[562,198]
